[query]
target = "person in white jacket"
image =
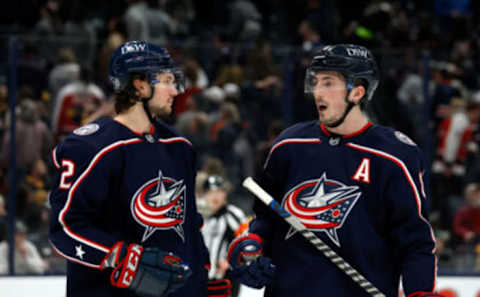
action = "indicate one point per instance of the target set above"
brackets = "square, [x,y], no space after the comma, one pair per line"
[27,258]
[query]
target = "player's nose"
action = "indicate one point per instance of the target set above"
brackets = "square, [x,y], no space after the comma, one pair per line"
[174,91]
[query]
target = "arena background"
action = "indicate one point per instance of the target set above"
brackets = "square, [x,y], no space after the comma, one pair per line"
[245,63]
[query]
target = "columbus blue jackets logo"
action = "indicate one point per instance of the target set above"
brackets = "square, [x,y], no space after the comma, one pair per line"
[160,205]
[322,205]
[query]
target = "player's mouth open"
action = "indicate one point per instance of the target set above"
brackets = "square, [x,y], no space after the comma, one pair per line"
[322,107]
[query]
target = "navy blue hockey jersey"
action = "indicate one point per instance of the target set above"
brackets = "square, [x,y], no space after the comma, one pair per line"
[363,195]
[115,185]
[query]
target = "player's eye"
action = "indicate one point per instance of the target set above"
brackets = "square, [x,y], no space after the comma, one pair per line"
[327,84]
[312,81]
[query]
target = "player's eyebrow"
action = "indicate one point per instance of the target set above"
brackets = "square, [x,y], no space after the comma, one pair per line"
[327,77]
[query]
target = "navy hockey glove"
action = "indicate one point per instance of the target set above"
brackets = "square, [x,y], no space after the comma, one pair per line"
[247,262]
[219,288]
[149,272]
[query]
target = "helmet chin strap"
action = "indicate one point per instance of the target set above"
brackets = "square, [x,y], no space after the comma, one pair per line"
[349,107]
[345,113]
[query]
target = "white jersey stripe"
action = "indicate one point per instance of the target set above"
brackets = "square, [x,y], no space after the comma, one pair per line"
[54,158]
[174,139]
[290,140]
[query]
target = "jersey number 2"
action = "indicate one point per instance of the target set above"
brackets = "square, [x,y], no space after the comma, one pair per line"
[67,173]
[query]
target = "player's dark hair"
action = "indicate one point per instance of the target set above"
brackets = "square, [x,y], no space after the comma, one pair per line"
[126,97]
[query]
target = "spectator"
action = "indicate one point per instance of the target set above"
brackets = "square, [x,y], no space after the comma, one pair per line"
[56,264]
[33,137]
[443,250]
[146,20]
[3,218]
[224,133]
[467,219]
[112,42]
[3,107]
[160,24]
[65,71]
[449,168]
[27,258]
[136,21]
[75,102]
[245,21]
[34,190]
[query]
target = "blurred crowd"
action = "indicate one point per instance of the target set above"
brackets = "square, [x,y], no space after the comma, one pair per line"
[244,63]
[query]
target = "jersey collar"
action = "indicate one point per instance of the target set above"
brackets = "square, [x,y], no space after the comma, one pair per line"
[358,132]
[151,131]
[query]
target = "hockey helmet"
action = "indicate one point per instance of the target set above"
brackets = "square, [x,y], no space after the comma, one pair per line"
[215,182]
[142,57]
[354,62]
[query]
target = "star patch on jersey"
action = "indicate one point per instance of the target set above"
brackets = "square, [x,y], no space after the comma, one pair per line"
[322,205]
[404,138]
[87,129]
[79,252]
[159,204]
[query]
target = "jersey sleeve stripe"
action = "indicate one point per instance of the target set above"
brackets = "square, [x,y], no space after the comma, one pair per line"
[408,176]
[287,141]
[174,139]
[422,186]
[71,193]
[73,259]
[54,158]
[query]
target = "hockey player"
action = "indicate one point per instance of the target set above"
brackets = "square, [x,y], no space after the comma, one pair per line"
[358,186]
[124,213]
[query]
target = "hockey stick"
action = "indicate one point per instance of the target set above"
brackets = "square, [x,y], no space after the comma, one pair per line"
[260,193]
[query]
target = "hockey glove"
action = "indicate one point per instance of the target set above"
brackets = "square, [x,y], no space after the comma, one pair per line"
[247,262]
[219,288]
[148,272]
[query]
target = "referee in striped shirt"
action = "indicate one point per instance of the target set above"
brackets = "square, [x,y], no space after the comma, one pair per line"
[222,223]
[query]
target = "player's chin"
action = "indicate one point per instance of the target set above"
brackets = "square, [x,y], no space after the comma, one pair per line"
[322,117]
[327,121]
[164,111]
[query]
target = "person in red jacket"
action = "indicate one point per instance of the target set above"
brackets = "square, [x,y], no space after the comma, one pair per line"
[467,218]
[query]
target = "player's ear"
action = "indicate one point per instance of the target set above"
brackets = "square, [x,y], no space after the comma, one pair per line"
[357,93]
[140,86]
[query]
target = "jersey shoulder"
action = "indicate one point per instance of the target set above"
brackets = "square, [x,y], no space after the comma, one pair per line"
[85,142]
[301,130]
[393,142]
[166,131]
